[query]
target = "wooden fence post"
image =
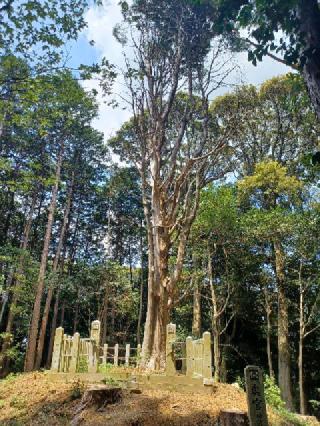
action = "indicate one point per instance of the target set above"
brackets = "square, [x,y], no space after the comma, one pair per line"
[75,353]
[57,349]
[190,357]
[105,353]
[207,357]
[116,355]
[255,396]
[171,338]
[127,355]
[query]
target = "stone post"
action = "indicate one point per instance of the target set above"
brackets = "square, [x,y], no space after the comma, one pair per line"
[93,361]
[116,355]
[57,350]
[255,396]
[171,338]
[105,353]
[74,353]
[95,331]
[127,355]
[190,357]
[207,356]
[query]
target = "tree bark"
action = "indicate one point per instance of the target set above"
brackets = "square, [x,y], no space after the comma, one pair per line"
[141,288]
[196,320]
[14,301]
[46,311]
[309,13]
[284,370]
[32,340]
[53,328]
[302,398]
[269,330]
[215,323]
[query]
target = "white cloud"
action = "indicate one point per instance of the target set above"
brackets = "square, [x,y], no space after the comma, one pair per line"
[101,21]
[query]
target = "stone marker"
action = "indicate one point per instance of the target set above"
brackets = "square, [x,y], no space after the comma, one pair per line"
[255,396]
[57,350]
[171,338]
[95,331]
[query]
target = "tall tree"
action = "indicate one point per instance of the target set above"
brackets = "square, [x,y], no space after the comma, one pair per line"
[272,190]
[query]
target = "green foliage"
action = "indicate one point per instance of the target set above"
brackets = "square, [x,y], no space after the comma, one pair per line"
[273,398]
[111,381]
[105,368]
[272,393]
[77,389]
[272,180]
[82,365]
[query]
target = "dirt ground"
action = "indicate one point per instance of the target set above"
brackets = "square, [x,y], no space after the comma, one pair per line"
[33,399]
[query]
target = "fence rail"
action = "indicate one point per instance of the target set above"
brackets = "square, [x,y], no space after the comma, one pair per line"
[74,354]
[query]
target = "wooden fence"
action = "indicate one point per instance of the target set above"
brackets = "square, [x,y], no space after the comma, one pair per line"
[193,356]
[73,354]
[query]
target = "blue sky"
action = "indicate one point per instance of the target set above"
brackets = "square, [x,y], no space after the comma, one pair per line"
[101,21]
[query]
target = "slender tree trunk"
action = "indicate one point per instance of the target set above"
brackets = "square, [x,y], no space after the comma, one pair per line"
[53,328]
[63,308]
[14,301]
[283,329]
[215,323]
[269,330]
[45,317]
[76,315]
[196,320]
[104,314]
[32,340]
[6,294]
[141,289]
[303,408]
[309,13]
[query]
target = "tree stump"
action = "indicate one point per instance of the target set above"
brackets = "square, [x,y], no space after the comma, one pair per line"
[233,418]
[97,397]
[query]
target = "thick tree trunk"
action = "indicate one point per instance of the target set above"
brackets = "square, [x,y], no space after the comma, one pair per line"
[309,13]
[45,316]
[196,320]
[283,329]
[32,340]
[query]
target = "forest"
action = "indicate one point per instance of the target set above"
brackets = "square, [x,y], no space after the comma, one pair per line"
[201,210]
